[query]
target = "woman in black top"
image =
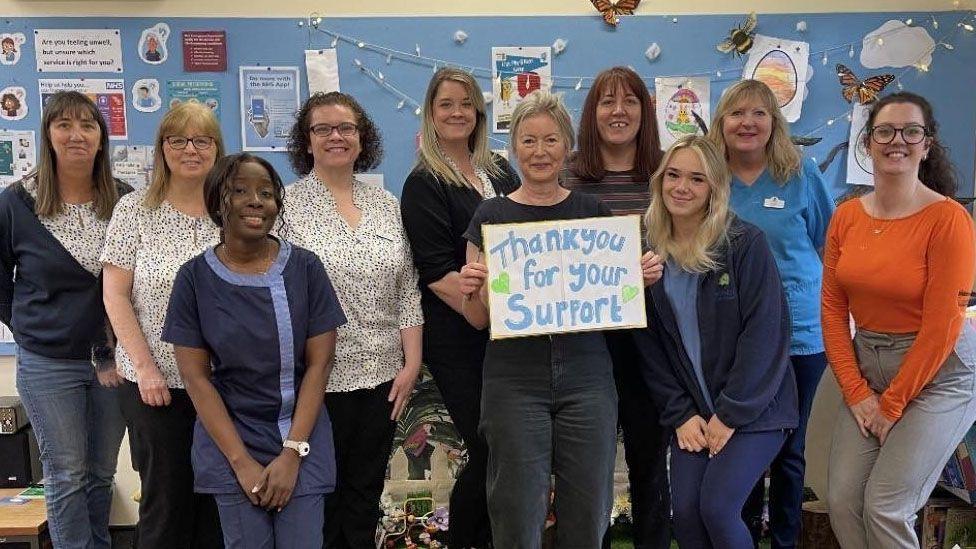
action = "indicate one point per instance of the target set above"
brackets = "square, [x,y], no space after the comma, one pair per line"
[53,226]
[549,405]
[455,172]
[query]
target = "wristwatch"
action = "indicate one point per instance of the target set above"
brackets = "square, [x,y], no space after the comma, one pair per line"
[301,447]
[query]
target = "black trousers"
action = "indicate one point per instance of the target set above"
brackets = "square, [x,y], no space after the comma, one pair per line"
[171,515]
[460,388]
[645,447]
[363,437]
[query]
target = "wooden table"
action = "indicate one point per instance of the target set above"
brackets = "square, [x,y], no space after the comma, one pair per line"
[25,523]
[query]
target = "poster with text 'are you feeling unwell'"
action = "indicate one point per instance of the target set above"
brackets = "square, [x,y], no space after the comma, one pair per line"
[564,276]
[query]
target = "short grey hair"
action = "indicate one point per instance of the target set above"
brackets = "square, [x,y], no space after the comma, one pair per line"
[543,102]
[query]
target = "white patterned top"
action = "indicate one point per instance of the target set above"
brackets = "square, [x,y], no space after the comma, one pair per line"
[372,271]
[77,228]
[154,244]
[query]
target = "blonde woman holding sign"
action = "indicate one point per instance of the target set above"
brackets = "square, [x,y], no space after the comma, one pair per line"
[549,406]
[716,350]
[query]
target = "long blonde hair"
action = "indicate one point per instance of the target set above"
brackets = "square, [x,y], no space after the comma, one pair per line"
[702,253]
[430,156]
[176,122]
[782,157]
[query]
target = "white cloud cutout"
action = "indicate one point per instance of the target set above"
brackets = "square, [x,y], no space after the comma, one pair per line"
[896,44]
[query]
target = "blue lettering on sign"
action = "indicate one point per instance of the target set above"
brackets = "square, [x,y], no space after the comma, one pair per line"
[569,313]
[512,247]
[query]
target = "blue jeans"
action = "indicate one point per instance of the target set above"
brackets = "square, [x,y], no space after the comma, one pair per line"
[79,429]
[786,473]
[707,494]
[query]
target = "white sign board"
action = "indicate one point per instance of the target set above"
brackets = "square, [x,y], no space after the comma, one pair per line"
[564,276]
[78,50]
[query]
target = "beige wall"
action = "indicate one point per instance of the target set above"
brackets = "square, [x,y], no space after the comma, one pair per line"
[339,8]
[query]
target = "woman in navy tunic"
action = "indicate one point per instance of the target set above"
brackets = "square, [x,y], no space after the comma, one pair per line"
[253,322]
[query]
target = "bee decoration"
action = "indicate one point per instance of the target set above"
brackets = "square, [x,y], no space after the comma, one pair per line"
[740,38]
[611,10]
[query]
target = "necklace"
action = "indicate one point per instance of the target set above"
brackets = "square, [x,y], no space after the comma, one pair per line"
[245,268]
[487,191]
[875,215]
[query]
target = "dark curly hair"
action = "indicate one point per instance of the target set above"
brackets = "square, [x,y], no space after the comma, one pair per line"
[299,140]
[936,171]
[216,192]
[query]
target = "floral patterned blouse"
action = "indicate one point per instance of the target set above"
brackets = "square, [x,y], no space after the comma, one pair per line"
[372,271]
[154,244]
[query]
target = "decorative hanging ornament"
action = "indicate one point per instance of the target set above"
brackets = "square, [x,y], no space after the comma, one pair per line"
[460,36]
[739,40]
[863,92]
[579,84]
[416,48]
[488,97]
[335,40]
[612,10]
[389,58]
[652,52]
[559,46]
[401,104]
[801,26]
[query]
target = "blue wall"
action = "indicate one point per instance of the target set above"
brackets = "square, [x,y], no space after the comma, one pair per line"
[688,46]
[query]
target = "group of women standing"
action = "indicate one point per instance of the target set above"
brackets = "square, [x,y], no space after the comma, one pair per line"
[232,305]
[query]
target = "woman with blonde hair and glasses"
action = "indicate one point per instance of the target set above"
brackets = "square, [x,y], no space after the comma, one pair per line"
[153,232]
[716,349]
[784,195]
[454,174]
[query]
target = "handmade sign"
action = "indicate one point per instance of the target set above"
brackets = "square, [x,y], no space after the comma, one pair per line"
[564,276]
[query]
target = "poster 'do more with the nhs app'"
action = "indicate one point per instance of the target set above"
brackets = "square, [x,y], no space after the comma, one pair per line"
[564,276]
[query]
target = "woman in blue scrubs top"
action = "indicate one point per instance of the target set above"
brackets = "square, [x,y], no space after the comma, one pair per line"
[253,323]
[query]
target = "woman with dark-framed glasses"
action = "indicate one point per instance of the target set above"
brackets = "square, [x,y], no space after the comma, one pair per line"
[900,260]
[357,232]
[153,232]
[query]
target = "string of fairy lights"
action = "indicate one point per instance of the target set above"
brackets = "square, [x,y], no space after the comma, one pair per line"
[313,23]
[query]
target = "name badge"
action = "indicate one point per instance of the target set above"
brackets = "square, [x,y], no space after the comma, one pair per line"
[774,202]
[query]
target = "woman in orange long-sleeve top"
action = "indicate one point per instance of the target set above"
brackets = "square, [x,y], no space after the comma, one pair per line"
[901,261]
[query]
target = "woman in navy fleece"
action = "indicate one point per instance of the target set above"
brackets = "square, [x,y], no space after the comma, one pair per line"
[716,353]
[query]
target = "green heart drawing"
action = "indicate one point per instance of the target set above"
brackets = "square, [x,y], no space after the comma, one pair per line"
[629,292]
[500,284]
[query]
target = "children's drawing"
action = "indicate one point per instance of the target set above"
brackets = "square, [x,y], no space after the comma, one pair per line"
[682,106]
[781,65]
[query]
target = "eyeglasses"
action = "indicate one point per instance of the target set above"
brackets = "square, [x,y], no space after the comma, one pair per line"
[912,134]
[325,130]
[200,142]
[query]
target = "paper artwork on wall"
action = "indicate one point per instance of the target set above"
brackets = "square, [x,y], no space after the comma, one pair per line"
[895,44]
[78,50]
[152,44]
[322,68]
[18,155]
[133,164]
[515,73]
[682,107]
[860,168]
[194,91]
[11,45]
[270,97]
[855,90]
[107,94]
[145,95]
[781,65]
[13,103]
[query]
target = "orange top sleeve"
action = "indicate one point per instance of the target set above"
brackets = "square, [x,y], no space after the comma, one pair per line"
[912,274]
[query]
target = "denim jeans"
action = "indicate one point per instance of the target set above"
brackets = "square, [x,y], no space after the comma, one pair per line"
[79,429]
[549,408]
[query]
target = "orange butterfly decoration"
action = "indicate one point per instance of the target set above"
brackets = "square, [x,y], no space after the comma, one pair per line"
[863,92]
[612,10]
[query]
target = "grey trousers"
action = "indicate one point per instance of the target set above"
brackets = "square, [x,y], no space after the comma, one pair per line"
[549,408]
[875,491]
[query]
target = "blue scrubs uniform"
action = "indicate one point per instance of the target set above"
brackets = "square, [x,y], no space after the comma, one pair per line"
[255,327]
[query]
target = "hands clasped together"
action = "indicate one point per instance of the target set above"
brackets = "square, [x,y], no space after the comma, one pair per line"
[696,435]
[870,420]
